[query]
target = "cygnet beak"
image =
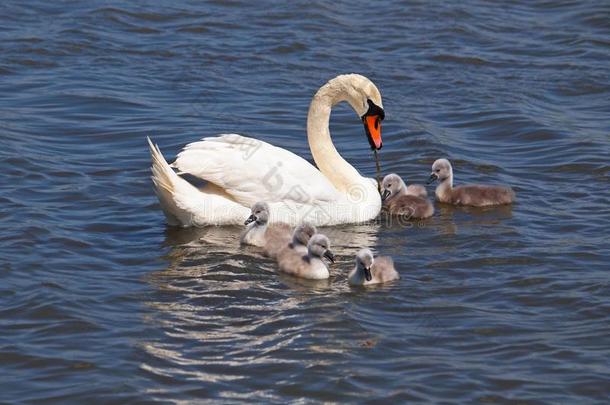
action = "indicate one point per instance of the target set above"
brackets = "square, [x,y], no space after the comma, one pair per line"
[367,274]
[251,218]
[330,256]
[385,194]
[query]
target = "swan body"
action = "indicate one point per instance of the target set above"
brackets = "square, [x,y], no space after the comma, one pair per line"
[370,270]
[398,199]
[474,195]
[240,171]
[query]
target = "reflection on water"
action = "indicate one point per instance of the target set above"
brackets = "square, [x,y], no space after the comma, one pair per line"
[499,213]
[306,285]
[194,246]
[228,299]
[237,312]
[205,241]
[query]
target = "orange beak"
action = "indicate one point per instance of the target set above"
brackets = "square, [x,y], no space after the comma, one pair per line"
[372,127]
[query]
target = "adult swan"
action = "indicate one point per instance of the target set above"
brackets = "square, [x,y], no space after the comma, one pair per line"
[241,171]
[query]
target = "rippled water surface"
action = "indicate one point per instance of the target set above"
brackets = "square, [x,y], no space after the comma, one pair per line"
[101,301]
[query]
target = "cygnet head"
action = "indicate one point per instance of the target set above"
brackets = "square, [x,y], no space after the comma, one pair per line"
[364,262]
[319,246]
[441,171]
[303,233]
[391,186]
[259,213]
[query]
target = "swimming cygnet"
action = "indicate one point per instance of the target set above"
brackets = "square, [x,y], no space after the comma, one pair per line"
[473,195]
[258,231]
[298,244]
[398,199]
[371,270]
[277,237]
[310,265]
[280,242]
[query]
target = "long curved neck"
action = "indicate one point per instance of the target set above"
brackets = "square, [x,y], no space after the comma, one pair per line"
[338,171]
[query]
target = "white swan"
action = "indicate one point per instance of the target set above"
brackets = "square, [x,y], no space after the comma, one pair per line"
[241,171]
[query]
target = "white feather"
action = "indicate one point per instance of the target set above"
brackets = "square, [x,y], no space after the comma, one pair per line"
[240,171]
[250,170]
[184,204]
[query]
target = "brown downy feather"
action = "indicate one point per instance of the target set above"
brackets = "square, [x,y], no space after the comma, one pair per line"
[383,269]
[481,196]
[410,206]
[277,237]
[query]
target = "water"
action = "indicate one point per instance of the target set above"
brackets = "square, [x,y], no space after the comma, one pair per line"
[99,300]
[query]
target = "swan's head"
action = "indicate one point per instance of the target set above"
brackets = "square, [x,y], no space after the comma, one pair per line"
[365,99]
[364,262]
[259,213]
[319,246]
[303,233]
[441,171]
[372,124]
[391,186]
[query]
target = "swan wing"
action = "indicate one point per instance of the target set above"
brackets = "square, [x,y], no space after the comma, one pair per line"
[251,170]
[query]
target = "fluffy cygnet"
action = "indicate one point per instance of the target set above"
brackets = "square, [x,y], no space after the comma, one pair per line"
[473,195]
[371,270]
[277,237]
[258,231]
[298,244]
[398,199]
[310,265]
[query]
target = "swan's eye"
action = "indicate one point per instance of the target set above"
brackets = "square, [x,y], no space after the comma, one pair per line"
[437,170]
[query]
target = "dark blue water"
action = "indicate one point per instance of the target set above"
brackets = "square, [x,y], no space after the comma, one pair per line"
[100,301]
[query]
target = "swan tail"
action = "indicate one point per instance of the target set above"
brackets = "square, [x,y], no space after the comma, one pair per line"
[169,188]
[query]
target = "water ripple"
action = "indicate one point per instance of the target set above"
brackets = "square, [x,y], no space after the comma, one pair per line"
[100,300]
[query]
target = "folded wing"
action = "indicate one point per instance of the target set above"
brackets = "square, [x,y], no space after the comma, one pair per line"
[250,170]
